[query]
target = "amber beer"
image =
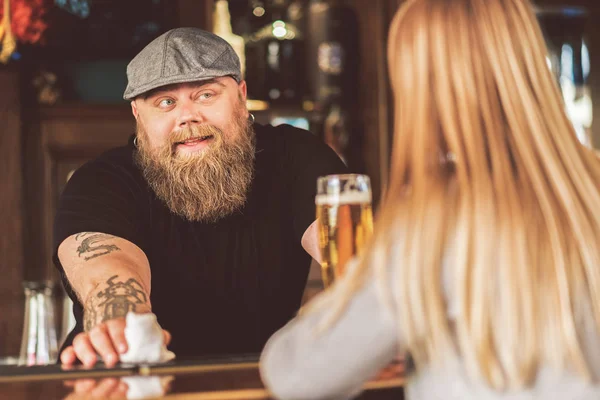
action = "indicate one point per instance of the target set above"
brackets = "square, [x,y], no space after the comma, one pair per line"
[344,220]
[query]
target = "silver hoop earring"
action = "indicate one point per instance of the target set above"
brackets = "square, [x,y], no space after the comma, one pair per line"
[135,141]
[251,118]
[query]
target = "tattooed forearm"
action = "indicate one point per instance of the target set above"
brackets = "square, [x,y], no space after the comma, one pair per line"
[94,245]
[114,300]
[89,318]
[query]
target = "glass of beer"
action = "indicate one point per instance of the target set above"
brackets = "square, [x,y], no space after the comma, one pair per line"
[344,220]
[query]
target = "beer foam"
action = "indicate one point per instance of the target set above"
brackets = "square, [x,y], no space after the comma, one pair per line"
[344,198]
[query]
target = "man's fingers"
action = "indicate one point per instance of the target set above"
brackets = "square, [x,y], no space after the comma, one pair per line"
[109,388]
[84,349]
[167,337]
[102,342]
[68,356]
[393,370]
[116,330]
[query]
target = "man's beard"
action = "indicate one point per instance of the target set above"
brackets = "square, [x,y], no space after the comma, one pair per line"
[204,186]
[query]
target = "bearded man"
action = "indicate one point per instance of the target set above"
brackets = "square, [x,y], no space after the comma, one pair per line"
[204,219]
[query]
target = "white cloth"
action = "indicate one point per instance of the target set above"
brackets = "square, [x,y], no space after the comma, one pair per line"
[145,340]
[145,387]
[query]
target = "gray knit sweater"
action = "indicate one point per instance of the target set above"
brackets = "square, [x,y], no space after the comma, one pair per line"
[297,363]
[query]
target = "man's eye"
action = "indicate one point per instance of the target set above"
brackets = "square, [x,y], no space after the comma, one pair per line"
[206,96]
[166,103]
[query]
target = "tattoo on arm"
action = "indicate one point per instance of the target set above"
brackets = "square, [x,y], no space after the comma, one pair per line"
[115,300]
[89,318]
[94,245]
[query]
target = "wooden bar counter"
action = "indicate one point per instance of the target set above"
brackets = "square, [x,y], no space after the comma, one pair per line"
[226,378]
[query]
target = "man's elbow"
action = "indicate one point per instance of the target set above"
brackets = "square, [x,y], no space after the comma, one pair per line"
[310,241]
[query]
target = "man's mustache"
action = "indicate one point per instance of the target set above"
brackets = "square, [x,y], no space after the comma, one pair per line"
[194,132]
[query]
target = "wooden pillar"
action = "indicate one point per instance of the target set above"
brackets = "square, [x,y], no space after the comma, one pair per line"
[374,18]
[11,214]
[196,13]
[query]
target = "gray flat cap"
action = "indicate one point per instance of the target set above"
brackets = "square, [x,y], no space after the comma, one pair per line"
[180,55]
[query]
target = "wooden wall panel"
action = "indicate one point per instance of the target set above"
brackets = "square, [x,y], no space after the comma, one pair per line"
[66,137]
[11,214]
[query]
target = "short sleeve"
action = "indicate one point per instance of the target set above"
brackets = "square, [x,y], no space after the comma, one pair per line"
[309,158]
[101,197]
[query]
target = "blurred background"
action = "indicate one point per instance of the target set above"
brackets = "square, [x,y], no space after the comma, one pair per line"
[315,64]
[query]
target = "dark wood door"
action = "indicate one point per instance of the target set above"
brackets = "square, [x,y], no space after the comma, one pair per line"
[11,212]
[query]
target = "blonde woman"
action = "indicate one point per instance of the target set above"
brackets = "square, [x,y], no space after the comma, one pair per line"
[485,265]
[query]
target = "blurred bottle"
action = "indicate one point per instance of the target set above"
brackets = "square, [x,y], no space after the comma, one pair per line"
[38,342]
[332,52]
[275,56]
[569,60]
[332,64]
[222,28]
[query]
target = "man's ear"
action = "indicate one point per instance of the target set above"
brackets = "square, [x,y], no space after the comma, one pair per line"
[134,109]
[243,90]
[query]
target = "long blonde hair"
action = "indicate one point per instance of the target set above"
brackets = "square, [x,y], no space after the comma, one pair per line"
[486,164]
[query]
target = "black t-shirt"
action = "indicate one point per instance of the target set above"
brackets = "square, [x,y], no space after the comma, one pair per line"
[219,288]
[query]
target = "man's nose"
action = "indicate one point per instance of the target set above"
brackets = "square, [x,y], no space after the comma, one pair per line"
[189,115]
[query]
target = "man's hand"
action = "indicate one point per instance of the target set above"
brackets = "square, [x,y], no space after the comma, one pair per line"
[111,277]
[106,339]
[104,322]
[97,389]
[115,388]
[394,370]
